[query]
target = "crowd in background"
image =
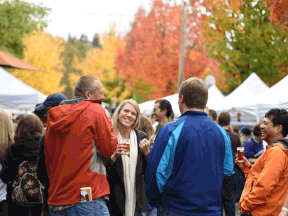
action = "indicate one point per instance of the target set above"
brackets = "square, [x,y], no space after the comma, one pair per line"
[171,166]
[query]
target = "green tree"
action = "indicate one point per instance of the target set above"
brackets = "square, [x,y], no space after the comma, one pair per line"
[74,48]
[17,19]
[96,41]
[244,40]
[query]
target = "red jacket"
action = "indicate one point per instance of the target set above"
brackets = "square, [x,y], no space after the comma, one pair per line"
[69,147]
[267,183]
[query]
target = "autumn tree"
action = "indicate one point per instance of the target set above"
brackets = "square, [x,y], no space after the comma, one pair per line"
[74,48]
[279,11]
[17,19]
[43,51]
[149,61]
[100,62]
[242,38]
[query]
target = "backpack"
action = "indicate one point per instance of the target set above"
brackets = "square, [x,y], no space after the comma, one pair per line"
[26,186]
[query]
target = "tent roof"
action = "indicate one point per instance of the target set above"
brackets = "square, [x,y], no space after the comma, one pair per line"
[16,94]
[214,96]
[147,107]
[7,60]
[248,90]
[277,94]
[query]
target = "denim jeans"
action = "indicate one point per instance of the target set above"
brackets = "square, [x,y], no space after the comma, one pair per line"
[96,207]
[239,182]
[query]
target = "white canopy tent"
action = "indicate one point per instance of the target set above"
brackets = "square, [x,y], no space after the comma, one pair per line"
[214,95]
[275,97]
[247,91]
[147,107]
[16,96]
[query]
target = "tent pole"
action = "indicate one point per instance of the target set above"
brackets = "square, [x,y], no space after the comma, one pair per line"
[257,116]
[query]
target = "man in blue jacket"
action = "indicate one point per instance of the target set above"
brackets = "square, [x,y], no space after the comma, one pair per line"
[189,159]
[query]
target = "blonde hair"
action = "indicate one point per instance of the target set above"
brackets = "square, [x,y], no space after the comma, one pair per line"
[6,132]
[115,117]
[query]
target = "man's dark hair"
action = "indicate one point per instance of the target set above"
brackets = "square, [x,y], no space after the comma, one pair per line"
[84,84]
[165,104]
[213,114]
[236,130]
[257,130]
[246,131]
[224,119]
[279,117]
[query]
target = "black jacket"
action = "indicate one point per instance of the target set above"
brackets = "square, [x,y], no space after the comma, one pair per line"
[115,178]
[41,168]
[15,155]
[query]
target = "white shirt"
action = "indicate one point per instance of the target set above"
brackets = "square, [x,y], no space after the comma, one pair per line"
[3,189]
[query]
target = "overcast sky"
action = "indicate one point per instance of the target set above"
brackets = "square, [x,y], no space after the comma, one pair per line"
[90,16]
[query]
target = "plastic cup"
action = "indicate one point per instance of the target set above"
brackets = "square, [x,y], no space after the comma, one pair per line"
[127,146]
[240,154]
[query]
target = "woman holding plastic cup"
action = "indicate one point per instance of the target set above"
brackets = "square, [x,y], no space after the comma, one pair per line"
[126,167]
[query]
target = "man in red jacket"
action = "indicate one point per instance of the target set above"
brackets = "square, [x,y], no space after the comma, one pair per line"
[79,134]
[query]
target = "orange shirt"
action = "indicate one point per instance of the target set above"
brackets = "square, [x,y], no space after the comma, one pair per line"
[267,183]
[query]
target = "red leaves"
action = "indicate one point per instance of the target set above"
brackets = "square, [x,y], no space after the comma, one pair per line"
[152,50]
[279,11]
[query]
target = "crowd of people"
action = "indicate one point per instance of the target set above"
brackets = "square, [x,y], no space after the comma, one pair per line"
[74,157]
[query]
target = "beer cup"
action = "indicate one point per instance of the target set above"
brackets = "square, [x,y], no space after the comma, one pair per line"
[240,154]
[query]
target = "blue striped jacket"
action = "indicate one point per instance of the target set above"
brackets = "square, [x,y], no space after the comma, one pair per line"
[187,164]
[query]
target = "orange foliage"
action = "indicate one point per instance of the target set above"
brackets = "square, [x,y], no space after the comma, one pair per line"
[279,11]
[151,54]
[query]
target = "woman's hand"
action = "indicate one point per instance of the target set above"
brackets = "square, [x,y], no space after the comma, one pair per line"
[243,165]
[151,139]
[145,147]
[121,149]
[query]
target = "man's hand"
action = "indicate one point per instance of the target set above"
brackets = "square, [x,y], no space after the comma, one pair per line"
[244,165]
[145,147]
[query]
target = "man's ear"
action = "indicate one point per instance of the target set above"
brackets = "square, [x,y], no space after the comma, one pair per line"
[87,94]
[279,129]
[181,99]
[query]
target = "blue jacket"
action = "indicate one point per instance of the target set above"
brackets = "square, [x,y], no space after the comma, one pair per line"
[253,149]
[187,164]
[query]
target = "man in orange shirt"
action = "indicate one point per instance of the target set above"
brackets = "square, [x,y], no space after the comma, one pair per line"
[267,180]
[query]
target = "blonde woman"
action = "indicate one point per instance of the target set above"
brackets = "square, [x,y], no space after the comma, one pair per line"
[6,138]
[126,169]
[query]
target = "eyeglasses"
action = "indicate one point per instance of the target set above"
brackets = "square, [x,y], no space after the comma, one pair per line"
[154,110]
